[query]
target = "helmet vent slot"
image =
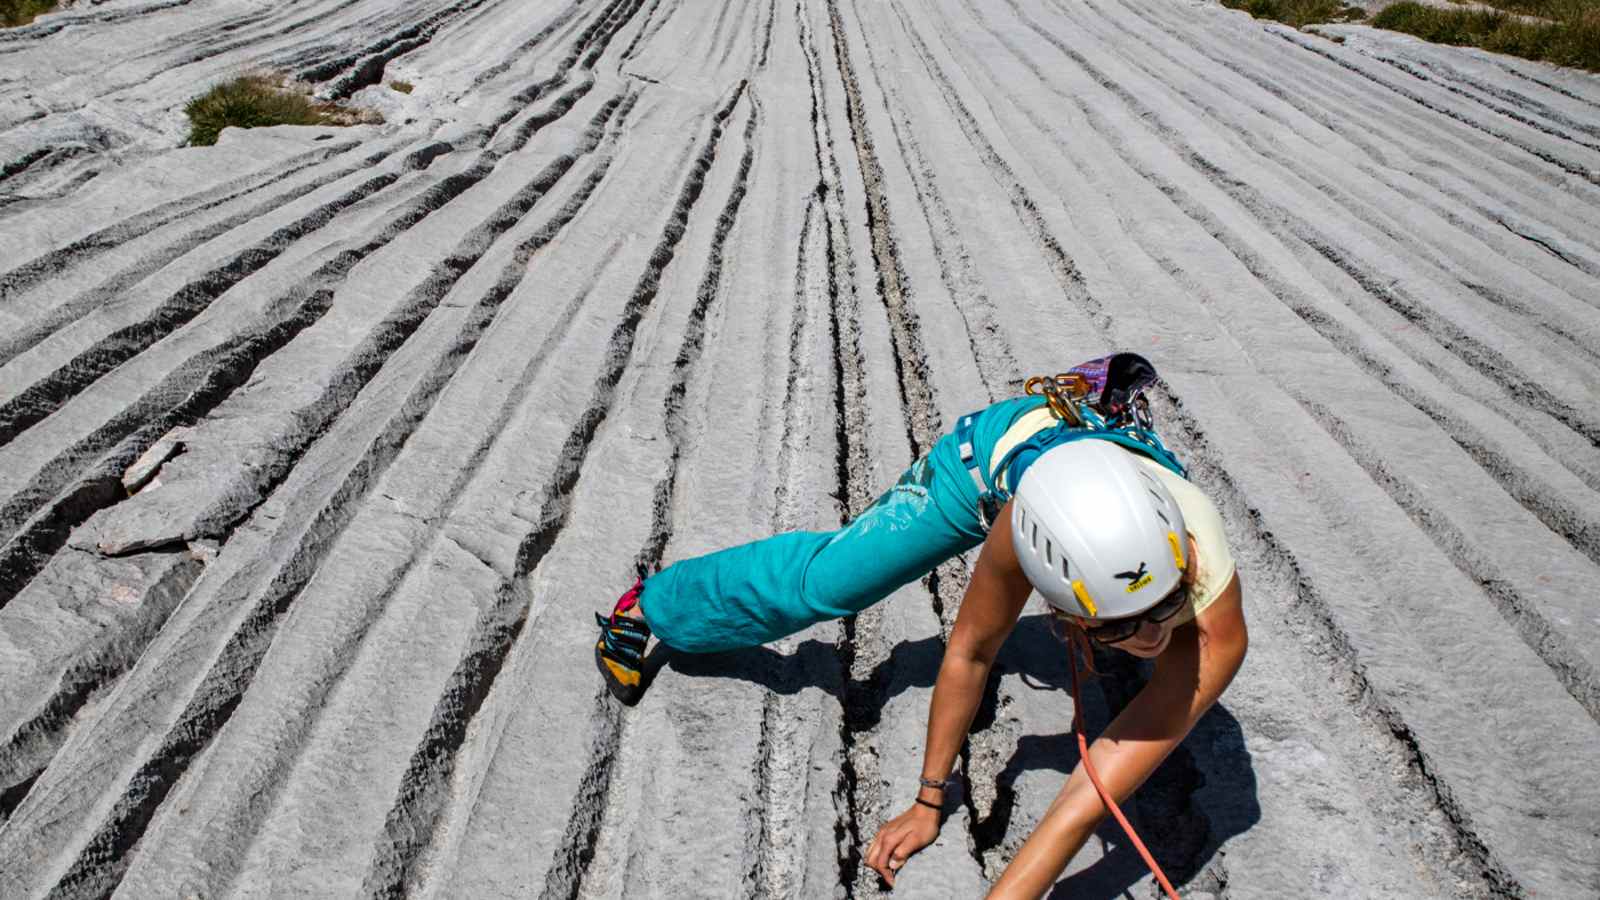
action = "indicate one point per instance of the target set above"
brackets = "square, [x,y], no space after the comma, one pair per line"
[1035,541]
[1049,558]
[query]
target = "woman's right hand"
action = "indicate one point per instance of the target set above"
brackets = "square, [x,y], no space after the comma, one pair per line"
[899,838]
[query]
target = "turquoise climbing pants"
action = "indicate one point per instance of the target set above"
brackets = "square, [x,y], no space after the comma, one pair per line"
[765,590]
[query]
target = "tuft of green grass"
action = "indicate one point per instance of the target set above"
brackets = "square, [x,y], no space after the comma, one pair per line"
[1554,10]
[403,87]
[20,12]
[1569,37]
[1564,32]
[1298,13]
[257,101]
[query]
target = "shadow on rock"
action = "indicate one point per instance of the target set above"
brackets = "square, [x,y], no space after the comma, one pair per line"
[1202,795]
[812,664]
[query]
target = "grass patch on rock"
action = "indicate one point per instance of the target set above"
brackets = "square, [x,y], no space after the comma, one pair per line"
[259,101]
[403,87]
[21,12]
[1565,33]
[1298,13]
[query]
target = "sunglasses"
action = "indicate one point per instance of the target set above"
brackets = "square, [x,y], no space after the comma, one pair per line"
[1118,630]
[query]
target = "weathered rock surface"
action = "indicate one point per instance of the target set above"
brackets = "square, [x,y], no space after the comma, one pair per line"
[319,447]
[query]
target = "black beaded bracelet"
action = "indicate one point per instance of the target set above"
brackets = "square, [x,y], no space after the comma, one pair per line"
[929,804]
[936,783]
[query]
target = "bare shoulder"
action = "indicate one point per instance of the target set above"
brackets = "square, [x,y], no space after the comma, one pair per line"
[1223,619]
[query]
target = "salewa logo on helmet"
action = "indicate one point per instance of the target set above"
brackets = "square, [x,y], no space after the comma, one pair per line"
[1136,580]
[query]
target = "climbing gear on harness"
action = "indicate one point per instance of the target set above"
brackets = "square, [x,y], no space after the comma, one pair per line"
[1136,438]
[1062,392]
[1118,630]
[1103,398]
[619,654]
[1105,795]
[1117,385]
[1096,532]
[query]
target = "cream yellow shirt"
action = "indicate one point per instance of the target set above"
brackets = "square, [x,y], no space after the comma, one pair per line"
[1200,516]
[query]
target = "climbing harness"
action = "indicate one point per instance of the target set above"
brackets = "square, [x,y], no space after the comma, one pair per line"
[1105,795]
[1103,399]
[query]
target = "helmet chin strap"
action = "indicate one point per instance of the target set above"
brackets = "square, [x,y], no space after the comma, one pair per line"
[1081,644]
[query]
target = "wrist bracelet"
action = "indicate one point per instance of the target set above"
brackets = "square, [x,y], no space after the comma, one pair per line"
[929,804]
[936,783]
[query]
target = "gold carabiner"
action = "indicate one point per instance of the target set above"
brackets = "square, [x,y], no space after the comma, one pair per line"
[1070,383]
[1062,392]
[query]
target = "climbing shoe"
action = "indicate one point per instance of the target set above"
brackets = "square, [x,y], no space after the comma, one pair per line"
[619,654]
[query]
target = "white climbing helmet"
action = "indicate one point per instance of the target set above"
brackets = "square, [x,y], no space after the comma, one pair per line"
[1097,533]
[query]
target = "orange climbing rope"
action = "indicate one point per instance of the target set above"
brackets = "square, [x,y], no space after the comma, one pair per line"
[1105,795]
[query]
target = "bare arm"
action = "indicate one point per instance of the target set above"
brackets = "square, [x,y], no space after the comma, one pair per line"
[1190,675]
[995,597]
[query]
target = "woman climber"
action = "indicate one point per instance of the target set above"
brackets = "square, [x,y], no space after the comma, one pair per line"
[1070,494]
